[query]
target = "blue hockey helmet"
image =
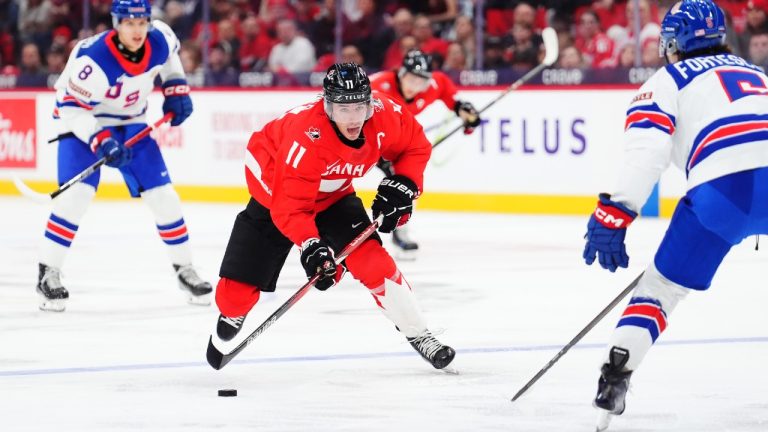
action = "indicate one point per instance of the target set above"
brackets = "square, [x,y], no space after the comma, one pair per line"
[122,9]
[692,25]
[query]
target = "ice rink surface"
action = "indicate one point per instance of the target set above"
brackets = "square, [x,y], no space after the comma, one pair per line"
[506,291]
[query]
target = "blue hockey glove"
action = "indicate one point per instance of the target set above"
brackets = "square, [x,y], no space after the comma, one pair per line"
[104,145]
[177,100]
[605,234]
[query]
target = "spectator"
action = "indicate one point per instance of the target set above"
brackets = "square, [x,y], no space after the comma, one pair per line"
[406,44]
[179,18]
[56,59]
[61,35]
[596,47]
[465,36]
[648,27]
[523,45]
[67,13]
[351,54]
[226,35]
[32,73]
[456,60]
[190,61]
[306,12]
[757,22]
[255,45]
[650,54]
[626,58]
[493,57]
[322,28]
[369,32]
[294,53]
[428,43]
[101,13]
[221,72]
[758,49]
[571,58]
[402,26]
[35,21]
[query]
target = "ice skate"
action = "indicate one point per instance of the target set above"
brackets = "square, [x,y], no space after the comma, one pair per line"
[407,249]
[53,295]
[227,328]
[197,290]
[612,388]
[437,354]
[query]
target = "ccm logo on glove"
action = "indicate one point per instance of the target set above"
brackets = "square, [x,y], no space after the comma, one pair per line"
[176,90]
[612,217]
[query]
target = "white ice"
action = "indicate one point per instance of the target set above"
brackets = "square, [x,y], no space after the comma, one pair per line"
[507,292]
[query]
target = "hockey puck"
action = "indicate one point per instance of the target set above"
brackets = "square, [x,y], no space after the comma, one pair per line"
[227,392]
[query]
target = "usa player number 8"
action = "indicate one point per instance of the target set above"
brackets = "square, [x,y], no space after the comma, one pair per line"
[741,83]
[85,72]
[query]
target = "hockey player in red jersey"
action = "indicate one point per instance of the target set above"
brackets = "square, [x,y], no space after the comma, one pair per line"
[416,86]
[299,170]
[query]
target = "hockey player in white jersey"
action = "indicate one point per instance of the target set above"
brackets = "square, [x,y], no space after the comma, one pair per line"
[101,99]
[707,113]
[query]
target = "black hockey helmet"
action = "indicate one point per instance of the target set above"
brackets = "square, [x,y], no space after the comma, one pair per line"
[346,83]
[417,63]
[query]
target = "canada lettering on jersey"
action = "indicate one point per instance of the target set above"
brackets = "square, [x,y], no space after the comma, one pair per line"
[347,169]
[687,70]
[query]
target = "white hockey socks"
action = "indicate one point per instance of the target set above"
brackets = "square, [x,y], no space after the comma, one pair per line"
[645,317]
[166,207]
[398,303]
[68,210]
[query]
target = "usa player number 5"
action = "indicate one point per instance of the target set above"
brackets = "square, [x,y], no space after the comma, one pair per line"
[741,83]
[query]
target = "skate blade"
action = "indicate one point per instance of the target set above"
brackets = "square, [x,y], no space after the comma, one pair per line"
[603,420]
[406,255]
[203,300]
[50,305]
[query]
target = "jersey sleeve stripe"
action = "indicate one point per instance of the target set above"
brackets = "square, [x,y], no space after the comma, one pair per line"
[648,116]
[727,132]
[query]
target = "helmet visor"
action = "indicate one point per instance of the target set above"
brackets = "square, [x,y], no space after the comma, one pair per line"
[349,112]
[414,82]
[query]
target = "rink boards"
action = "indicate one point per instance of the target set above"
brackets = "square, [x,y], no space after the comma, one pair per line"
[539,150]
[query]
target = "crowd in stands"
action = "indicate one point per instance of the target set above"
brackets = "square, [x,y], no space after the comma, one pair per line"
[289,37]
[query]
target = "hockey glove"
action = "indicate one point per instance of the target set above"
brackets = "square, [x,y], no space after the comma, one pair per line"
[394,199]
[105,146]
[605,234]
[385,166]
[468,114]
[318,258]
[177,100]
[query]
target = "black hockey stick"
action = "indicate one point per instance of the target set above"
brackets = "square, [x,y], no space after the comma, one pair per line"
[218,359]
[44,198]
[578,337]
[551,44]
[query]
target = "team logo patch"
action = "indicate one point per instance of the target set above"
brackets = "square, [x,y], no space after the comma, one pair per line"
[313,133]
[377,104]
[709,22]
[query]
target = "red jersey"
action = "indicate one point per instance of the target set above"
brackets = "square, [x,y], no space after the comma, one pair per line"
[297,166]
[440,87]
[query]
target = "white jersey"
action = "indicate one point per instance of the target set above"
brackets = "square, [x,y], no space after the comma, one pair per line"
[707,115]
[99,87]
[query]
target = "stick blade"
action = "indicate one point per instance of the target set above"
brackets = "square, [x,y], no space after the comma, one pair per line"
[28,192]
[551,45]
[215,357]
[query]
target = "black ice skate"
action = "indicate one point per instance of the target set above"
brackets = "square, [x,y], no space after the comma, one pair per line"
[406,248]
[437,354]
[198,291]
[612,387]
[227,328]
[53,295]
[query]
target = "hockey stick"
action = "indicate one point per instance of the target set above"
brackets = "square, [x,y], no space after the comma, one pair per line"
[218,359]
[45,198]
[551,44]
[578,337]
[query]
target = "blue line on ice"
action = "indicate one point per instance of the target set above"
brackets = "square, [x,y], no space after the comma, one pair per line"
[310,358]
